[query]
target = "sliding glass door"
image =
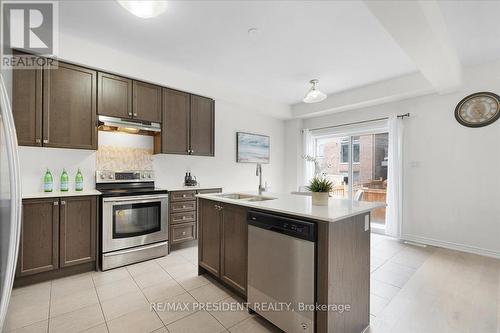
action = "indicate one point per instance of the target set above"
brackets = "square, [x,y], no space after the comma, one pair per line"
[357,164]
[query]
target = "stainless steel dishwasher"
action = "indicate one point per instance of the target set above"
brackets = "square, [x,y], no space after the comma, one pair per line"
[281,270]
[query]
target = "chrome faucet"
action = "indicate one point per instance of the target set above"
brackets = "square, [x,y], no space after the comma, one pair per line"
[258,172]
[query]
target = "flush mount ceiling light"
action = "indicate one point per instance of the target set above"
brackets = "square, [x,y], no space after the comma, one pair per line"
[314,95]
[144,8]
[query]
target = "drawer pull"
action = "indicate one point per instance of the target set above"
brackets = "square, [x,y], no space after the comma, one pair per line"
[184,217]
[183,233]
[184,195]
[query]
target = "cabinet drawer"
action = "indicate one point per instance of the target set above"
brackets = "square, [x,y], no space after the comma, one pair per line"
[183,217]
[183,206]
[182,232]
[182,195]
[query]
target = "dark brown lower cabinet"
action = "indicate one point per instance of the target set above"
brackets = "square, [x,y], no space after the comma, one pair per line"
[39,245]
[223,242]
[234,242]
[210,220]
[78,222]
[56,233]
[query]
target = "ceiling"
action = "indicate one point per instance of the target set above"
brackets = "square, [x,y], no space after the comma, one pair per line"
[339,42]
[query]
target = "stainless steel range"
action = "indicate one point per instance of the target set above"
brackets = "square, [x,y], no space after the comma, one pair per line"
[134,217]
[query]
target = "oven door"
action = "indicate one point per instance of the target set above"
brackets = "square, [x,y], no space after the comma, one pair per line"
[134,221]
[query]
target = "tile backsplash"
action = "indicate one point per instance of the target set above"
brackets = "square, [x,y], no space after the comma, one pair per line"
[124,158]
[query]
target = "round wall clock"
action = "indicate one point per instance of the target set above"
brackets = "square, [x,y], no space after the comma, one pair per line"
[479,109]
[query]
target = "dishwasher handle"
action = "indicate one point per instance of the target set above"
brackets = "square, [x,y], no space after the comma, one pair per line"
[284,225]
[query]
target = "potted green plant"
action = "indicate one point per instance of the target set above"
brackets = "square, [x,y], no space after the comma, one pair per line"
[320,188]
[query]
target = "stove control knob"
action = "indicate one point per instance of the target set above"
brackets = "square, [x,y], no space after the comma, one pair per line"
[149,175]
[102,176]
[110,176]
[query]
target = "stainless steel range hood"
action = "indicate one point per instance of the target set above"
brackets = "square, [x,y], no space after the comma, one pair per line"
[127,125]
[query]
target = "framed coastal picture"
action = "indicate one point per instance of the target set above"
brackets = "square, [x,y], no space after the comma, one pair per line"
[252,148]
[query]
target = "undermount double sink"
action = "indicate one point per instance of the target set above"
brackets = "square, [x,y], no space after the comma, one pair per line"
[246,197]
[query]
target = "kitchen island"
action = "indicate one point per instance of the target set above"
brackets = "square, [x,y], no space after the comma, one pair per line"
[341,256]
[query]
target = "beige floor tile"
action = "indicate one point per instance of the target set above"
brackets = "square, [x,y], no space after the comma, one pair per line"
[255,324]
[149,279]
[42,288]
[144,267]
[161,330]
[181,270]
[209,293]
[390,277]
[113,275]
[26,309]
[383,289]
[139,321]
[162,291]
[101,328]
[117,288]
[172,309]
[171,260]
[199,322]
[71,302]
[118,306]
[192,281]
[377,304]
[72,284]
[376,262]
[40,327]
[77,321]
[232,312]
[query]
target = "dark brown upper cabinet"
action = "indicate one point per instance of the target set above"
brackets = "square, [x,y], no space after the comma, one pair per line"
[39,244]
[175,122]
[27,105]
[69,107]
[188,124]
[202,125]
[114,96]
[78,221]
[146,102]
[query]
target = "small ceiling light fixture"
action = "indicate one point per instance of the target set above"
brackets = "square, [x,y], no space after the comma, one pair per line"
[314,95]
[144,8]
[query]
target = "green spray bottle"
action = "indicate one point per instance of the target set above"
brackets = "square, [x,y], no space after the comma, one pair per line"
[48,181]
[79,181]
[64,181]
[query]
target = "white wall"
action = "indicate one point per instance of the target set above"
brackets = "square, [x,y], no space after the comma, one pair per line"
[451,172]
[221,170]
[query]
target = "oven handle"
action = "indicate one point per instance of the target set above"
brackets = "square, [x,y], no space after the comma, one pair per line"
[142,198]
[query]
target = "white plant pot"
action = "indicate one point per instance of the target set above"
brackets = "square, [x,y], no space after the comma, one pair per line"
[320,198]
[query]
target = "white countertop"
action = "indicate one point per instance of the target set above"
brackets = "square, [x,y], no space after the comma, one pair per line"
[300,205]
[55,194]
[189,188]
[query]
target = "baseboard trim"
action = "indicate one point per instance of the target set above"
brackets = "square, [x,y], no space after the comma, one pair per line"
[452,246]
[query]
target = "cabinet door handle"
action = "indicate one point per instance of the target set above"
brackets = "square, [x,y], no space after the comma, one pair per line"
[38,140]
[135,114]
[183,233]
[45,140]
[184,195]
[63,202]
[130,114]
[56,203]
